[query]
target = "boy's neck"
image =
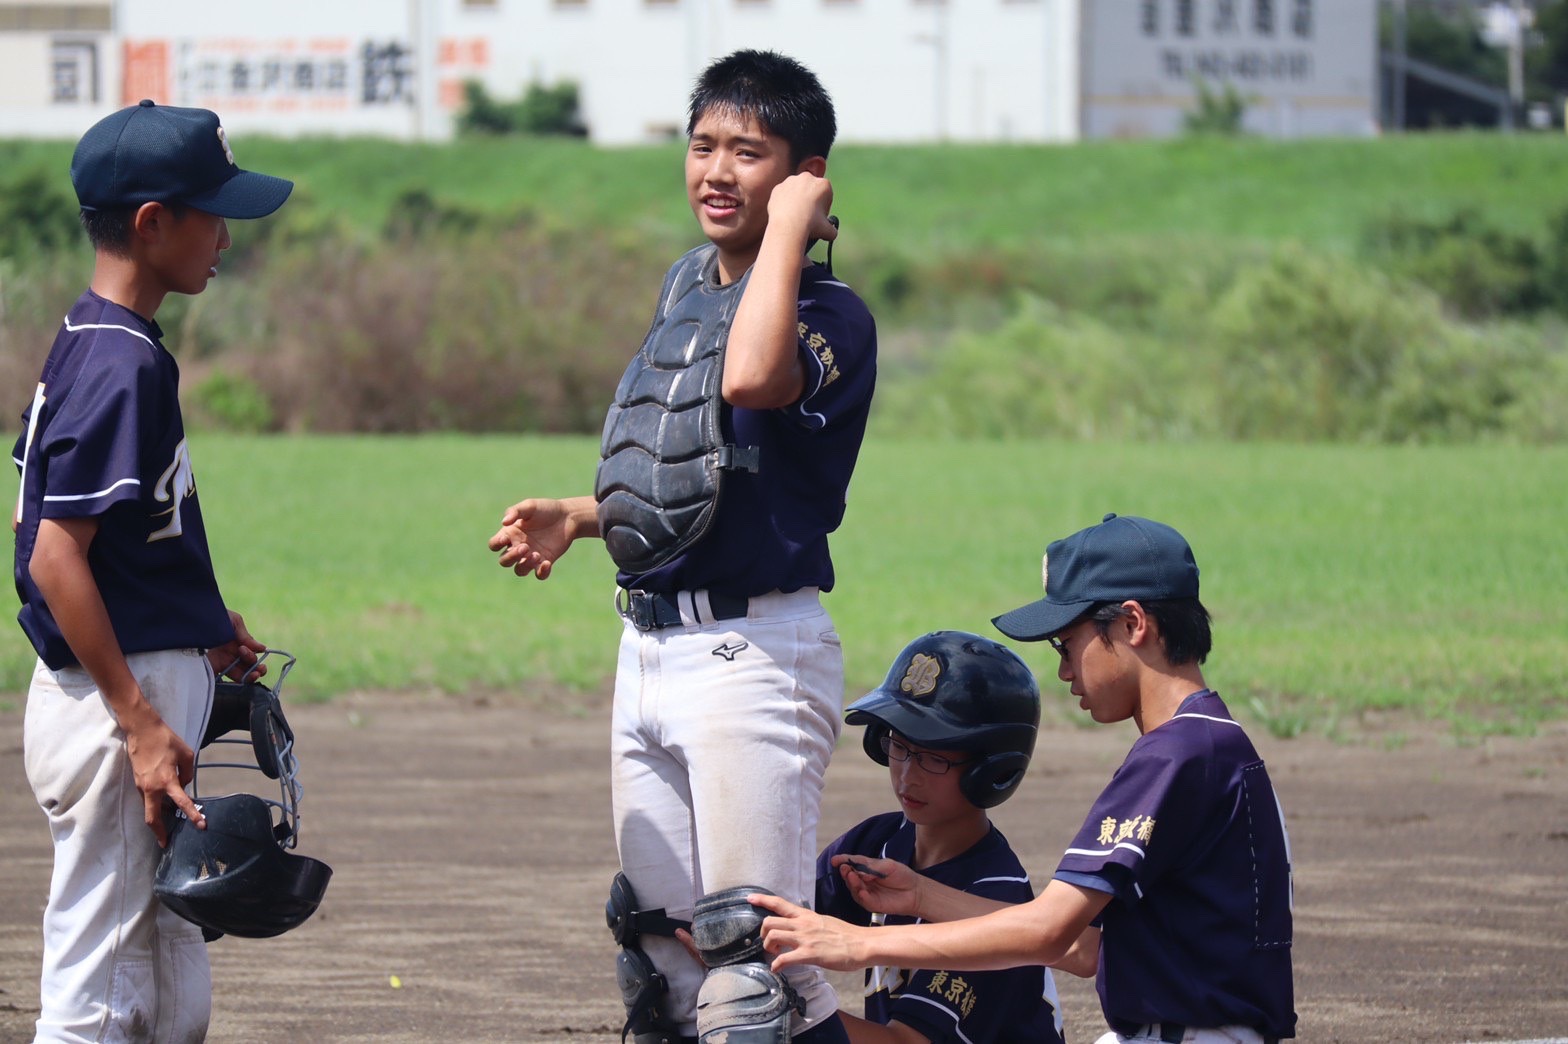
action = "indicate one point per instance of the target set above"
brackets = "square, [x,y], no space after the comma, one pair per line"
[1163,692]
[732,266]
[938,844]
[121,280]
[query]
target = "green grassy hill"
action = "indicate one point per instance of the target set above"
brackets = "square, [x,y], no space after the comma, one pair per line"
[959,197]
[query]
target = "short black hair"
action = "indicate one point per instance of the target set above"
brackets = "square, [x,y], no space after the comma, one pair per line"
[109,229]
[1183,623]
[775,90]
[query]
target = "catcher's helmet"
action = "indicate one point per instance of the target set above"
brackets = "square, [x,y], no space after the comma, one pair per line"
[237,876]
[952,690]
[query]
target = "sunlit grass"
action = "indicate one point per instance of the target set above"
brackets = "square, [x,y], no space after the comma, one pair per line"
[1343,580]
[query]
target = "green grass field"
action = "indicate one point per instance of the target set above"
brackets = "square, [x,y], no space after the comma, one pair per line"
[1345,581]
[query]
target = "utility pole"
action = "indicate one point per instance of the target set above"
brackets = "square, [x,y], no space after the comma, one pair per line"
[1398,100]
[938,40]
[1516,58]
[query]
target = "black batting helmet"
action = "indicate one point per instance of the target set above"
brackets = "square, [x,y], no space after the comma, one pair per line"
[237,876]
[234,877]
[952,690]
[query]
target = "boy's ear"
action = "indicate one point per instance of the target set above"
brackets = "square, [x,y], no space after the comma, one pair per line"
[152,220]
[149,220]
[817,166]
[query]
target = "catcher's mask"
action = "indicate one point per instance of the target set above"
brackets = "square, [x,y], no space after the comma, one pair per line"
[952,690]
[238,877]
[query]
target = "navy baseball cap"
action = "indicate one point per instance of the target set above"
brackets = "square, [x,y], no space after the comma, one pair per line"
[1123,558]
[149,152]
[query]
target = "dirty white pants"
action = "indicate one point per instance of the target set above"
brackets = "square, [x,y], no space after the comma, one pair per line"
[117,965]
[721,735]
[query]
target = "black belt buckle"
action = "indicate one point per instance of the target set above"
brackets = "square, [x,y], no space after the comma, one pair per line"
[642,609]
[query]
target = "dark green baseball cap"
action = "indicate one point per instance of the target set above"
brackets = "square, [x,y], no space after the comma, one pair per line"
[1123,558]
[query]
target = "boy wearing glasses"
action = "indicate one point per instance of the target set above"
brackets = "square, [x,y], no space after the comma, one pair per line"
[955,724]
[1183,862]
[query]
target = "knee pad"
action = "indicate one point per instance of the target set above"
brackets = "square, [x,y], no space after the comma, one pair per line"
[727,929]
[745,1004]
[643,989]
[742,1000]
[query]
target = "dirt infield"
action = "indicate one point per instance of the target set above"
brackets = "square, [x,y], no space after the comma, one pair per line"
[472,849]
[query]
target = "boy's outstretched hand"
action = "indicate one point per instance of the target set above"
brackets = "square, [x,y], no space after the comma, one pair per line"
[883,886]
[533,534]
[800,936]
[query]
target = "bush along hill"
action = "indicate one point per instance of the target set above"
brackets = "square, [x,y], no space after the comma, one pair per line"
[1407,290]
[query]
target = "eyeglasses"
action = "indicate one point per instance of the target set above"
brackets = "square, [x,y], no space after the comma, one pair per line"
[935,764]
[1059,645]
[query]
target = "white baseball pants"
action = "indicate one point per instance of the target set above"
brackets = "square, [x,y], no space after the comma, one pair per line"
[1218,1035]
[720,737]
[117,965]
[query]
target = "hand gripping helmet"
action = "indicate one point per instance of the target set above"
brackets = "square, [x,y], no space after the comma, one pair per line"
[952,690]
[238,877]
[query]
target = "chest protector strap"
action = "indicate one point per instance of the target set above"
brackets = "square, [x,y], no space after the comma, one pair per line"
[663,454]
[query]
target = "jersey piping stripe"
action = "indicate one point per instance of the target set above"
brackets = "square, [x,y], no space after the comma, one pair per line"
[944,1009]
[62,497]
[1106,851]
[805,398]
[1207,717]
[1011,880]
[108,326]
[27,447]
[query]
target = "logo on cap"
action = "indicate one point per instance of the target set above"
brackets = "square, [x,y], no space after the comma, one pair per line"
[223,139]
[920,678]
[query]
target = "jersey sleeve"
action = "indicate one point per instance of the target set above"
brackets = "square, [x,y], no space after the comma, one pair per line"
[837,345]
[833,897]
[92,444]
[1140,825]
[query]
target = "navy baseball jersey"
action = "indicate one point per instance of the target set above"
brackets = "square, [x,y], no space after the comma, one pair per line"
[1190,840]
[996,1007]
[104,439]
[771,528]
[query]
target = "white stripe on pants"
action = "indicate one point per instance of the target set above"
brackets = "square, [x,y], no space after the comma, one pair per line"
[117,965]
[718,755]
[1218,1035]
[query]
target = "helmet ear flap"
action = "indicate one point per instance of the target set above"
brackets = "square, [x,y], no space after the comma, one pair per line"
[871,740]
[991,779]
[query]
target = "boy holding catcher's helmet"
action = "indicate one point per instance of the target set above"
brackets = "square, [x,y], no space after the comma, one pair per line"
[1183,862]
[955,724]
[116,581]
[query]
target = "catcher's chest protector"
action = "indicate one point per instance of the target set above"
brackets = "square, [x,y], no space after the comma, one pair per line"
[663,452]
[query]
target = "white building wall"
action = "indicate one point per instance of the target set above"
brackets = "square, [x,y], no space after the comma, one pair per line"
[898,70]
[55,84]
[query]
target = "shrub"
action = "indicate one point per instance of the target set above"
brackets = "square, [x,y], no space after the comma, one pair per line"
[1479,271]
[1219,111]
[553,109]
[229,402]
[521,330]
[37,216]
[1044,373]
